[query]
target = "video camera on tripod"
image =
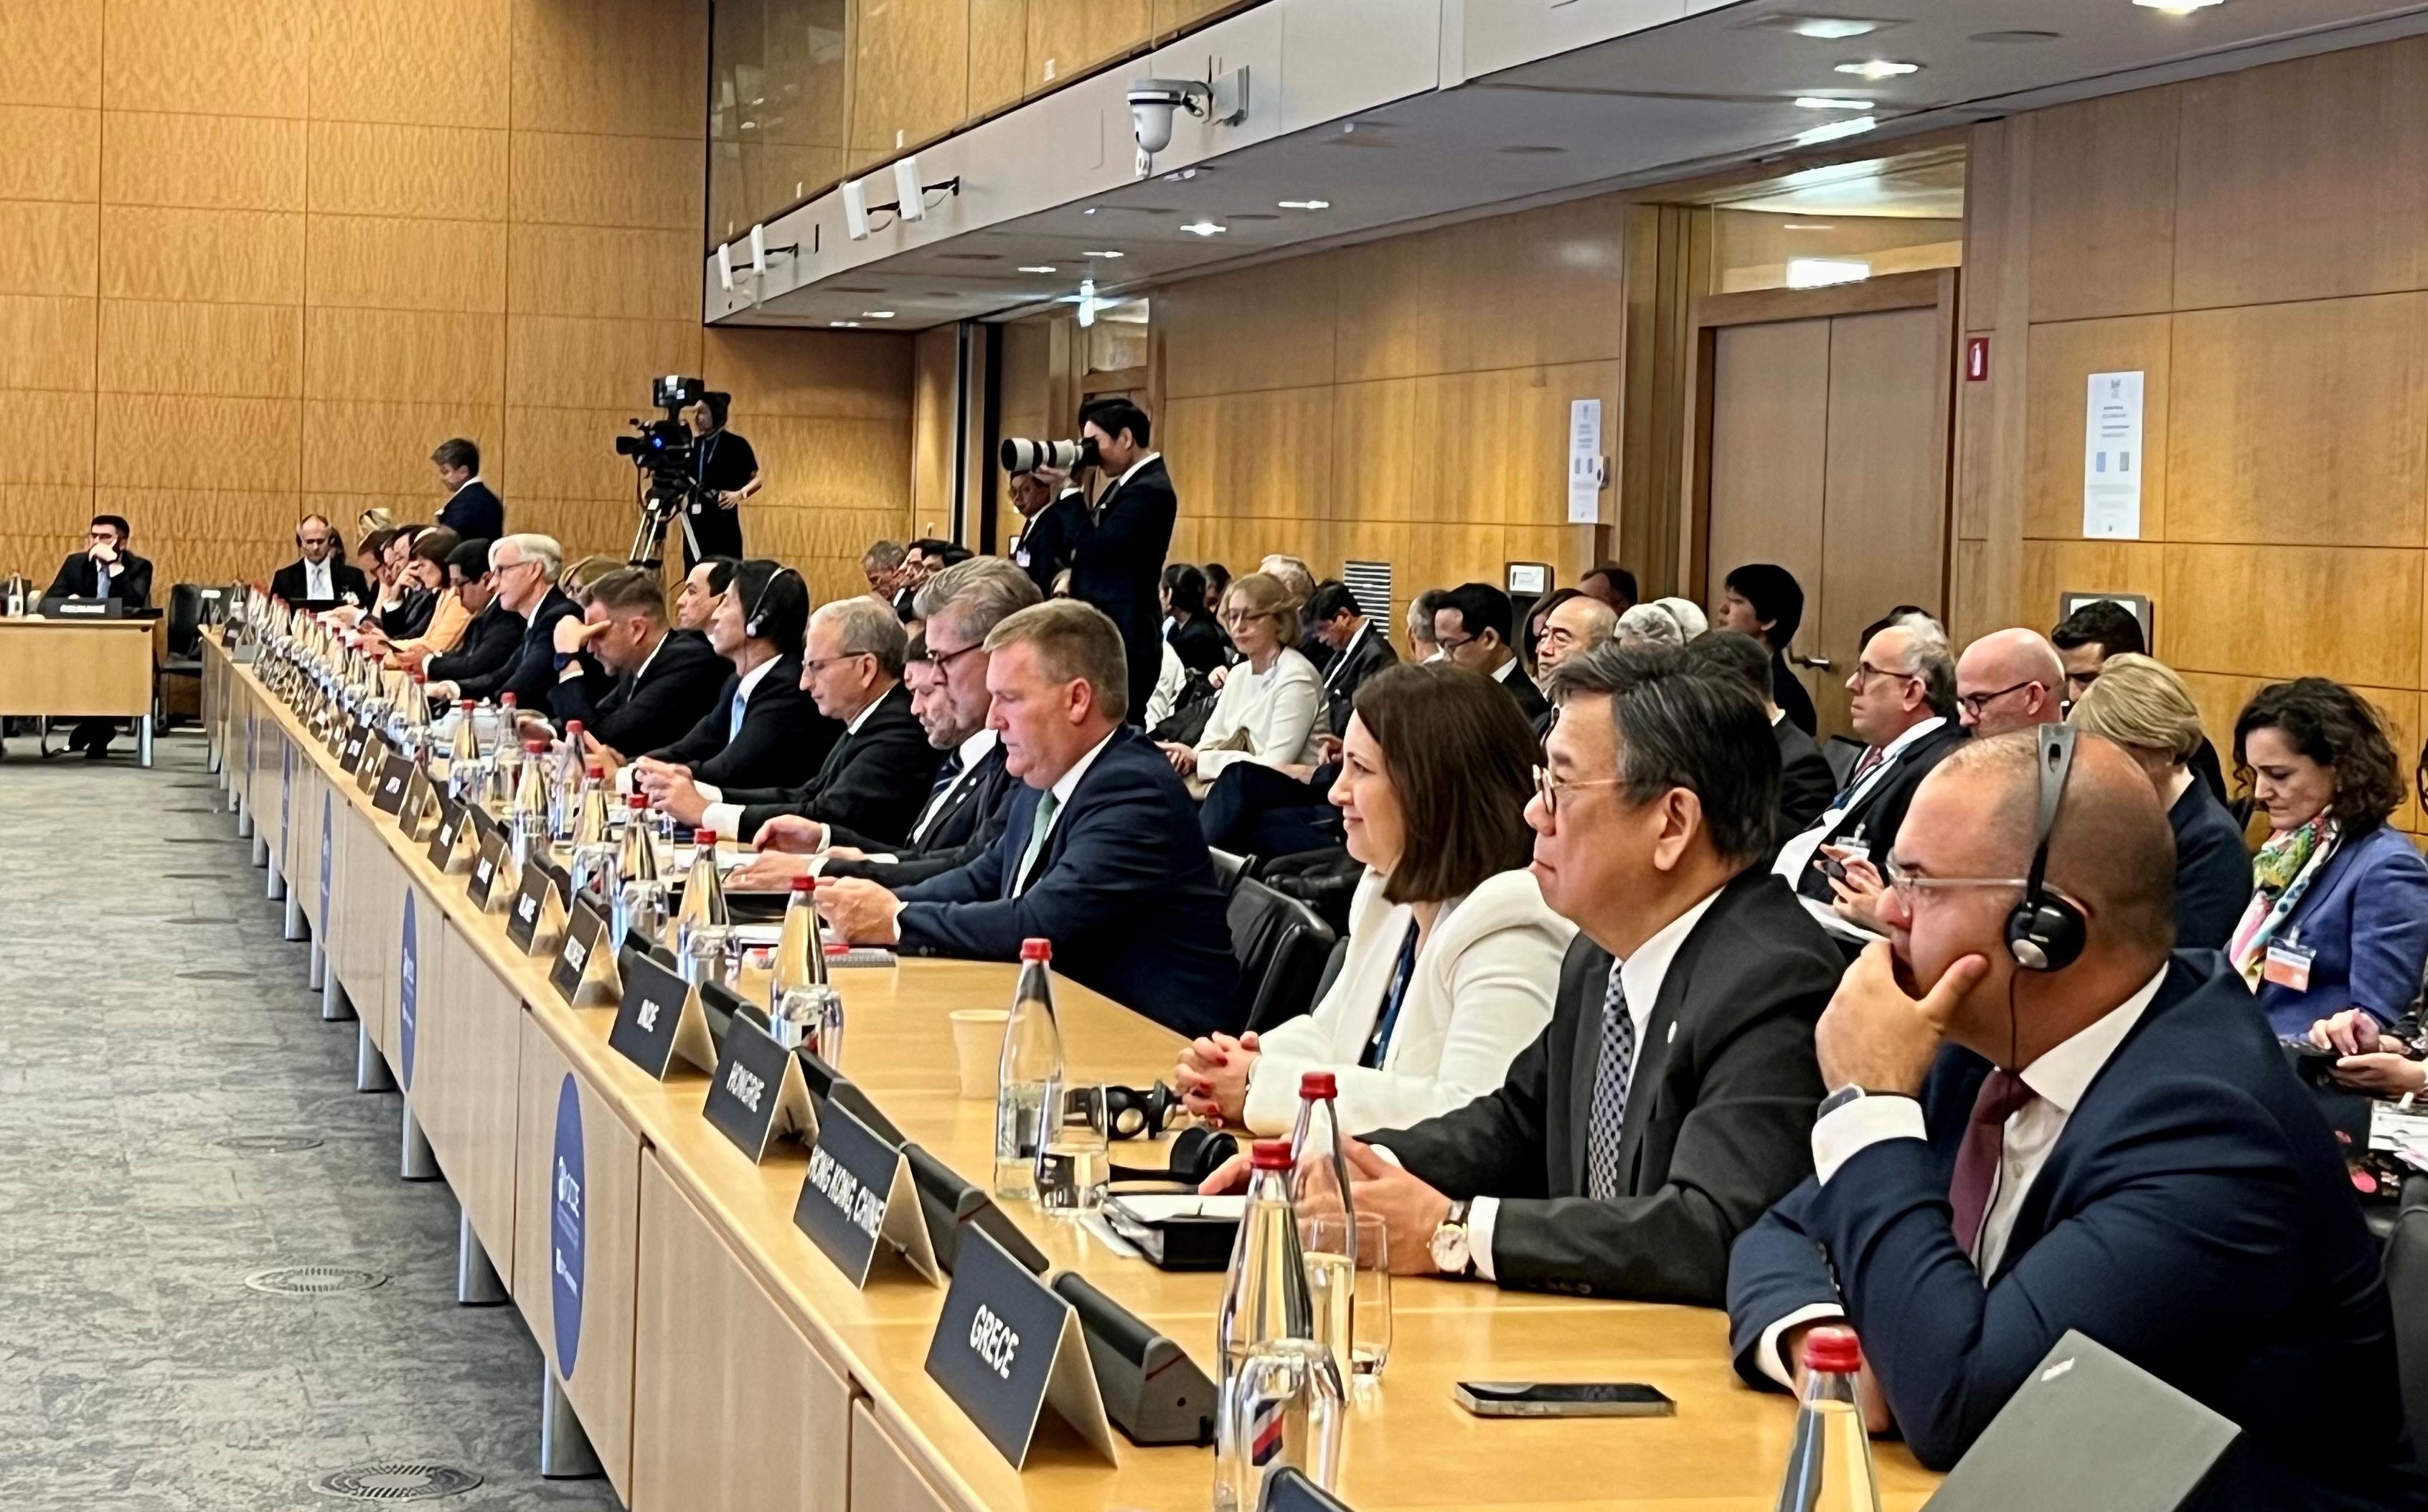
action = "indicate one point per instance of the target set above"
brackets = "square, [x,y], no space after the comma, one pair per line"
[664,449]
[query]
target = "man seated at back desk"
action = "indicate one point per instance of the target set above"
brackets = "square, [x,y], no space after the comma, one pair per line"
[1099,853]
[972,794]
[2107,1139]
[317,579]
[1670,1099]
[105,569]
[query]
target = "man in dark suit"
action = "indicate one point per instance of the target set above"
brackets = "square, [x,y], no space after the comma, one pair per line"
[1805,782]
[1042,548]
[1360,648]
[1476,629]
[1903,703]
[2102,628]
[666,680]
[1118,545]
[1766,602]
[471,510]
[105,569]
[972,790]
[1099,854]
[2113,1144]
[316,580]
[875,779]
[491,638]
[761,730]
[525,569]
[1670,1099]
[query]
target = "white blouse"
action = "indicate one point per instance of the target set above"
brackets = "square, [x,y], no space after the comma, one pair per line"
[1279,708]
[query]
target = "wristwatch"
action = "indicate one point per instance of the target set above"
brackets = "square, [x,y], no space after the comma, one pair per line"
[1838,1099]
[1450,1254]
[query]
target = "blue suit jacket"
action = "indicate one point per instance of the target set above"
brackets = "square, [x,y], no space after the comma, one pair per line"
[1124,888]
[2194,1217]
[2367,916]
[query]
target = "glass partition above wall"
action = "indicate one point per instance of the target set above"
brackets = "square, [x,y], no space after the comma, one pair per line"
[1841,223]
[805,92]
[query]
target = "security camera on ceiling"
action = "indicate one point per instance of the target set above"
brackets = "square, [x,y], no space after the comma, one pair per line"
[1154,104]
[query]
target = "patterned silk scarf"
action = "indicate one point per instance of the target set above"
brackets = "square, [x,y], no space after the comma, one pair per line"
[2280,873]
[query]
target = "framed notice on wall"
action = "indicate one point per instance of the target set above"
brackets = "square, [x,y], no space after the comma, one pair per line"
[2111,459]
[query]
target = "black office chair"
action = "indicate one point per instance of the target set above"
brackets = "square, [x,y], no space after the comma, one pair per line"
[2406,1287]
[187,602]
[1230,870]
[1281,944]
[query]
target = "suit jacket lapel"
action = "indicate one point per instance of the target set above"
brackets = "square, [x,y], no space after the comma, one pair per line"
[1593,981]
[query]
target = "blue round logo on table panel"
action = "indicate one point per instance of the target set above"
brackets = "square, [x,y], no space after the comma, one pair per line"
[564,1226]
[408,992]
[324,870]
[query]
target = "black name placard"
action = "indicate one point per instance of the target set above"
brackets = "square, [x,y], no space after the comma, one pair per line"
[658,1020]
[485,869]
[584,963]
[414,810]
[755,1096]
[367,770]
[446,850]
[350,747]
[395,774]
[859,1200]
[1288,1490]
[1008,1347]
[483,822]
[341,733]
[536,919]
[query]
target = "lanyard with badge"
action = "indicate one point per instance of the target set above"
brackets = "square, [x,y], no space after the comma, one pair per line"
[2288,962]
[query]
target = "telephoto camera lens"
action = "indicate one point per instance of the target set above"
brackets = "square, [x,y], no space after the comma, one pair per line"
[1022,456]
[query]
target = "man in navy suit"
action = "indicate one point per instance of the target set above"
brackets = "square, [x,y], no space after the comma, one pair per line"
[1100,853]
[2113,1144]
[473,510]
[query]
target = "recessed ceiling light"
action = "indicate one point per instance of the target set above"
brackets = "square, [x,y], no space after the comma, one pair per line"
[876,315]
[1040,267]
[1806,225]
[849,325]
[1105,253]
[1822,102]
[1835,129]
[2177,8]
[1879,68]
[1303,204]
[1819,273]
[1831,29]
[1091,210]
[1204,228]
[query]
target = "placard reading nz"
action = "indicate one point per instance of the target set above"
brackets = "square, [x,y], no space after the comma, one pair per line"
[1007,1347]
[860,1191]
[485,870]
[452,824]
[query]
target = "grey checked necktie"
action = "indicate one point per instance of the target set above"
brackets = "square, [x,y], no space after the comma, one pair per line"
[1039,827]
[1607,1118]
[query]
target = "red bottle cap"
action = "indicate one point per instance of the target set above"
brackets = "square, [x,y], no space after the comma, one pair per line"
[1269,1155]
[506,701]
[1835,1351]
[597,773]
[536,747]
[1036,950]
[468,705]
[805,884]
[1318,1084]
[637,801]
[571,725]
[707,837]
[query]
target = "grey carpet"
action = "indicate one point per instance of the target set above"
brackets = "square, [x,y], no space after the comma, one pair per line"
[137,1371]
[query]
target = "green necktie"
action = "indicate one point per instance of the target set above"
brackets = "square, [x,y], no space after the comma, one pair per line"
[1038,828]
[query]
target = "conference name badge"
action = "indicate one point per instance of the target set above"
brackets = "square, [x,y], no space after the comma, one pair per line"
[2288,966]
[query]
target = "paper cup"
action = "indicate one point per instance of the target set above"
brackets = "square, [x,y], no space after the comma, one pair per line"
[977,1042]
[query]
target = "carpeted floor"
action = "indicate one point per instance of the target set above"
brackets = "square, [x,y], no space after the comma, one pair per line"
[148,1011]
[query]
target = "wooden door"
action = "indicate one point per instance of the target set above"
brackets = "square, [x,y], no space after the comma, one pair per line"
[1824,449]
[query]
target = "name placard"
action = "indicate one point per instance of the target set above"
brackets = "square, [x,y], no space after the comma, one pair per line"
[756,1096]
[446,851]
[413,815]
[350,746]
[585,968]
[367,770]
[1288,1490]
[483,822]
[659,1020]
[387,797]
[485,869]
[860,1191]
[343,733]
[1007,1347]
[536,919]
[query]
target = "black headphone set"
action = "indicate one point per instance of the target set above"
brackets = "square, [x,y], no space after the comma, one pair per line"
[750,621]
[2046,931]
[1196,1154]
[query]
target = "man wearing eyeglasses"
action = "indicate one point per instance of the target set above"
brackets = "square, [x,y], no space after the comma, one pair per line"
[1901,700]
[523,569]
[2064,1125]
[1670,1099]
[876,777]
[2010,680]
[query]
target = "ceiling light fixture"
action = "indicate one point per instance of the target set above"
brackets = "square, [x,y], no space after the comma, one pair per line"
[1086,301]
[876,315]
[1879,68]
[1040,267]
[2177,8]
[1835,129]
[1107,253]
[1822,102]
[1204,228]
[1831,29]
[1302,204]
[1091,210]
[1820,272]
[847,325]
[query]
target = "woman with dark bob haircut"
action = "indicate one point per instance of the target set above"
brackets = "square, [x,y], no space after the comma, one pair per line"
[1452,954]
[2336,929]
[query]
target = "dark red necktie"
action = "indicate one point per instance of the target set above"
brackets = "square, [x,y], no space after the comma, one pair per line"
[2003,1093]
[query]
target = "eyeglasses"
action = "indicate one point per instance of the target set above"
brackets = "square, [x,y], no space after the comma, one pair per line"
[1450,644]
[942,660]
[1865,672]
[1549,787]
[819,664]
[1905,883]
[1973,703]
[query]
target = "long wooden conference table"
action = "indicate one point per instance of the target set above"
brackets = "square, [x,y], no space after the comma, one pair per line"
[719,1360]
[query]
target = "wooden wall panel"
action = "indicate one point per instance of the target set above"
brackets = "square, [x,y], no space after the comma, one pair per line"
[394,262]
[404,354]
[910,68]
[236,256]
[569,361]
[362,168]
[67,422]
[151,347]
[206,56]
[1256,455]
[221,162]
[373,446]
[48,247]
[998,53]
[604,272]
[565,453]
[566,179]
[601,66]
[46,342]
[2104,206]
[2062,358]
[1067,37]
[1515,291]
[2264,610]
[423,62]
[1270,327]
[66,36]
[54,152]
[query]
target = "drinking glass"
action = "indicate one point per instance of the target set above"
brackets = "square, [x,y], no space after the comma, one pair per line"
[1072,1161]
[1284,1404]
[1350,1287]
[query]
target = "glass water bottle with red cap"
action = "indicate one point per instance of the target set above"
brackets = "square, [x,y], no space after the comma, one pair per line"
[530,823]
[565,786]
[464,756]
[1320,1185]
[1280,1391]
[804,1010]
[704,926]
[1829,1461]
[1029,1074]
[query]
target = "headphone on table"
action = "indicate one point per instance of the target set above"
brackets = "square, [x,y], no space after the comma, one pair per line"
[2046,931]
[1196,1154]
[751,622]
[1135,1115]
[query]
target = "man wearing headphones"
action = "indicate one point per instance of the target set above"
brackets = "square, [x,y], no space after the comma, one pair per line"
[318,578]
[760,729]
[2040,1120]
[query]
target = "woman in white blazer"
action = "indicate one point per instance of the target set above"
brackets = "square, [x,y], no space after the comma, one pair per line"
[1453,956]
[1271,702]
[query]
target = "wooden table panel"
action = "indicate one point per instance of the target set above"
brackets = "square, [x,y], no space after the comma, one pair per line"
[881,1473]
[69,668]
[467,1076]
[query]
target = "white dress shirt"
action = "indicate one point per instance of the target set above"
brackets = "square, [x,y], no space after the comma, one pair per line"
[1641,976]
[1340,661]
[1168,680]
[726,818]
[969,754]
[1278,708]
[320,579]
[1127,474]
[750,681]
[2058,1078]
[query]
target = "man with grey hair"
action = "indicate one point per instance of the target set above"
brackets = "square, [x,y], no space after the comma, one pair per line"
[875,779]
[882,565]
[524,569]
[972,792]
[1901,700]
[1100,853]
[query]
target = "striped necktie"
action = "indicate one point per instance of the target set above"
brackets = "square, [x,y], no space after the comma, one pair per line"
[946,775]
[1865,767]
